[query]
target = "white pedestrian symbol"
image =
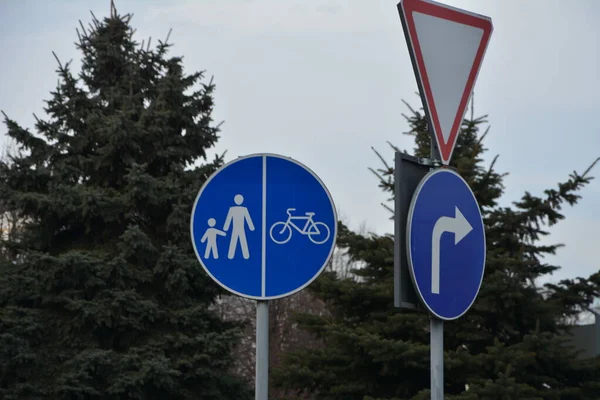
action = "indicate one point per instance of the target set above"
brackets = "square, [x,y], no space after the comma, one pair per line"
[238,216]
[210,236]
[317,232]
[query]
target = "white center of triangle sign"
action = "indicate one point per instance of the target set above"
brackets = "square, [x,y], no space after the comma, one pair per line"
[446,46]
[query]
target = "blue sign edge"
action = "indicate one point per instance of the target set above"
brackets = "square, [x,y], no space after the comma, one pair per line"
[411,269]
[273,155]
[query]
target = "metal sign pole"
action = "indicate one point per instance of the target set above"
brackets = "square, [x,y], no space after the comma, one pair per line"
[437,358]
[436,326]
[262,351]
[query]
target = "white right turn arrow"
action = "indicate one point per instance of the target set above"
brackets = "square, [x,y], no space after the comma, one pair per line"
[457,225]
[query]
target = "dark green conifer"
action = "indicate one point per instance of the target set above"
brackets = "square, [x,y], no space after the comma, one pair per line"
[511,343]
[104,297]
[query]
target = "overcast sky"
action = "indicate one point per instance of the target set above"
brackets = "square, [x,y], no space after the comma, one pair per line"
[323,81]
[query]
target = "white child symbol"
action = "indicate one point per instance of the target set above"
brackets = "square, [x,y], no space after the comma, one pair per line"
[210,236]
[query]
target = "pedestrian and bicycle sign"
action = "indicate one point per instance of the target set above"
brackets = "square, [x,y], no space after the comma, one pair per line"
[445,244]
[263,226]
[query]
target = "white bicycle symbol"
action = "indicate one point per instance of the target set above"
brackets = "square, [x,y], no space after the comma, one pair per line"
[281,232]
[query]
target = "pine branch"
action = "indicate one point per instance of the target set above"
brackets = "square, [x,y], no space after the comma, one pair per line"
[587,171]
[483,136]
[386,184]
[83,28]
[390,209]
[95,21]
[60,66]
[387,167]
[168,36]
[395,148]
[575,294]
[537,210]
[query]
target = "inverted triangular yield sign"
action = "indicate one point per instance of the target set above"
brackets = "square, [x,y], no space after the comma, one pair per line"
[446,46]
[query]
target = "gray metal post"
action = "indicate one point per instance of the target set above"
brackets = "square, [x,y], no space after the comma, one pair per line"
[437,359]
[262,351]
[436,327]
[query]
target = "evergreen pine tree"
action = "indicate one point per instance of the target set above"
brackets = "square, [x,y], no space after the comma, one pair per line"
[104,297]
[510,345]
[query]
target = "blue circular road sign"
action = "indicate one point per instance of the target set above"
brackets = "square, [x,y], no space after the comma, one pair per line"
[445,244]
[263,226]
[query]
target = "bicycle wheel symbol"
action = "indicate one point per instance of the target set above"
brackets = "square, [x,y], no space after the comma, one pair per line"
[321,235]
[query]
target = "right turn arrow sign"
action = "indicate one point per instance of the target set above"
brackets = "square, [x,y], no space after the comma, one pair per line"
[457,225]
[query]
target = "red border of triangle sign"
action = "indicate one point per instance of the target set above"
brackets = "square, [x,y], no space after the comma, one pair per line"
[442,63]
